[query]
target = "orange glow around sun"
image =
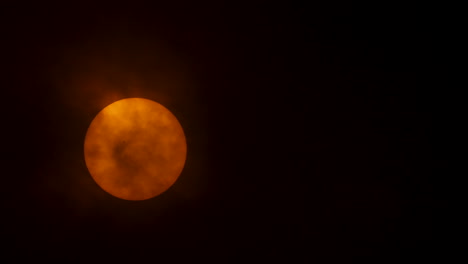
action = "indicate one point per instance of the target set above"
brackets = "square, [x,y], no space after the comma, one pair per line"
[135,149]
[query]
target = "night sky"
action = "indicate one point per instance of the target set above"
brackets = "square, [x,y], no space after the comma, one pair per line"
[308,138]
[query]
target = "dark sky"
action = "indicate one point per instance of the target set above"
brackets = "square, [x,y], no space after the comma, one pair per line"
[308,137]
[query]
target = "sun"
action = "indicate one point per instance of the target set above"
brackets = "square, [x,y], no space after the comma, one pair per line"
[135,149]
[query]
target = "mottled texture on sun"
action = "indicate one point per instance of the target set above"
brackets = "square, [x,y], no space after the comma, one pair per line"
[135,149]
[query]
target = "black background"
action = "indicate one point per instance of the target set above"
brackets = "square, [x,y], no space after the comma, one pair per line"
[308,136]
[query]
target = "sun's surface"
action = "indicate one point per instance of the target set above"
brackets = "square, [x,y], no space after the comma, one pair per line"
[135,149]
